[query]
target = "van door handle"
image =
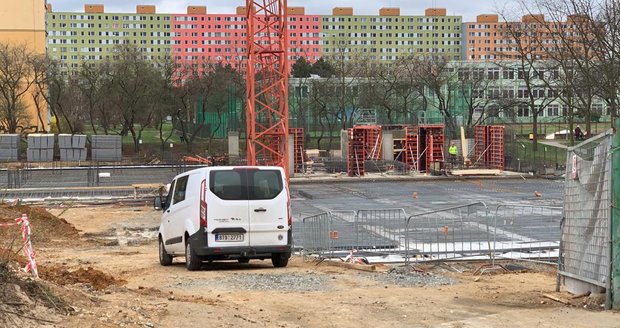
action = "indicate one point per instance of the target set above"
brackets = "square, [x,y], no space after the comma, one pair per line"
[260,210]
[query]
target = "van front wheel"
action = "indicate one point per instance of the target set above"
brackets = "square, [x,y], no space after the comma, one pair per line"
[192,261]
[164,258]
[280,260]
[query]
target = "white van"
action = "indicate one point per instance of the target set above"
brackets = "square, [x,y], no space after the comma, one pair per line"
[226,213]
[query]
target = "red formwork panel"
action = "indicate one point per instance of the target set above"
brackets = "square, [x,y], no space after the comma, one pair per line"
[489,149]
[497,146]
[357,153]
[424,145]
[480,140]
[298,151]
[412,144]
[372,140]
[434,145]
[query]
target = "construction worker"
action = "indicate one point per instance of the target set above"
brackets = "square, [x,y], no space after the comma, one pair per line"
[453,151]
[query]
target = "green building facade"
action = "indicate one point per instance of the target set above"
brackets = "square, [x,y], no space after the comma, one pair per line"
[389,36]
[75,38]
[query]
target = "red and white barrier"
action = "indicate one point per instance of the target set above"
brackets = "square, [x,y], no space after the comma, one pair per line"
[26,233]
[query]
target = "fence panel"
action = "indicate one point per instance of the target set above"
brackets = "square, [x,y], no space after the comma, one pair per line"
[342,234]
[316,234]
[527,232]
[382,231]
[587,202]
[460,232]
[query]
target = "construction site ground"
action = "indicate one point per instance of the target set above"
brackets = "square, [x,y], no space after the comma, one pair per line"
[101,262]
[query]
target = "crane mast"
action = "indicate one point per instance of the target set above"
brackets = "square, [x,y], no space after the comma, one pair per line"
[267,83]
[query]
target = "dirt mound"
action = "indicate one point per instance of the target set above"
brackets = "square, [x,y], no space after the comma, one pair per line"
[63,276]
[46,228]
[26,302]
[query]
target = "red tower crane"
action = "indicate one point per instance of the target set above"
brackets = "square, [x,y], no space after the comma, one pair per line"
[267,83]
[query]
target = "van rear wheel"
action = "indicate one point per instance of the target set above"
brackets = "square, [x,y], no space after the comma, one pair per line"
[192,261]
[164,258]
[280,260]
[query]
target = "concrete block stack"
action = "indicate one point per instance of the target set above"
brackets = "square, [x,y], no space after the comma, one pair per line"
[40,147]
[9,147]
[106,148]
[72,147]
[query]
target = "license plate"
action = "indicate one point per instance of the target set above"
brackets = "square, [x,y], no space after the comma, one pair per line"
[224,237]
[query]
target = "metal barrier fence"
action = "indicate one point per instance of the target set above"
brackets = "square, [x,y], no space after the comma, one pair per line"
[369,232]
[527,232]
[317,233]
[382,231]
[456,232]
[465,232]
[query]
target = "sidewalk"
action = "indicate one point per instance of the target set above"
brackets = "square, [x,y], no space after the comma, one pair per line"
[552,143]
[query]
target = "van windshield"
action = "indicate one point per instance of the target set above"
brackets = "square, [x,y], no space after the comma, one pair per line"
[246,184]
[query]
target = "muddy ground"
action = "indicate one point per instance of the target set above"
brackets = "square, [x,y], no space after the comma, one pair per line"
[101,270]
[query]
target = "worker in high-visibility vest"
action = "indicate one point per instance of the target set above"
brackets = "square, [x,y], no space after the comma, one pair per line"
[453,151]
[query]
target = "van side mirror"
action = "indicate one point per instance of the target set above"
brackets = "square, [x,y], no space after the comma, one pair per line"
[157,203]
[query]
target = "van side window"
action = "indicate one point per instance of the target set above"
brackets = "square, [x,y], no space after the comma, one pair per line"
[265,184]
[179,190]
[228,185]
[170,193]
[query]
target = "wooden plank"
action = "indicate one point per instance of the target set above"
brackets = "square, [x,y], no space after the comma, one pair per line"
[360,267]
[476,172]
[551,297]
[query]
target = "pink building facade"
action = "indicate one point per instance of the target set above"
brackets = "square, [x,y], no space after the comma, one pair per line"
[201,38]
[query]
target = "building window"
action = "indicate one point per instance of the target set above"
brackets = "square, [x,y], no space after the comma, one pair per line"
[508,74]
[553,110]
[523,111]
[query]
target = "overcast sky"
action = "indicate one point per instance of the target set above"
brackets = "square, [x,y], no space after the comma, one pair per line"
[466,8]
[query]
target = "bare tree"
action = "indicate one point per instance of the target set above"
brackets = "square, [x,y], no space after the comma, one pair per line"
[441,80]
[133,91]
[205,91]
[323,105]
[94,85]
[348,70]
[65,98]
[478,85]
[530,66]
[392,88]
[164,107]
[569,50]
[39,90]
[16,80]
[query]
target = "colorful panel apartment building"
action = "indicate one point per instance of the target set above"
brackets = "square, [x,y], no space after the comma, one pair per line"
[91,36]
[489,39]
[390,36]
[199,37]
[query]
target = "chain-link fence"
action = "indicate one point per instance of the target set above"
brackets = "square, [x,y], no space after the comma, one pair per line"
[585,253]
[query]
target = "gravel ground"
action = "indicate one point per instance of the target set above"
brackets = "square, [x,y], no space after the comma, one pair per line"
[404,277]
[307,282]
[263,282]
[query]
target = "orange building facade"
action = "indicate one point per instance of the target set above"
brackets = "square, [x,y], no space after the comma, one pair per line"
[22,23]
[488,38]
